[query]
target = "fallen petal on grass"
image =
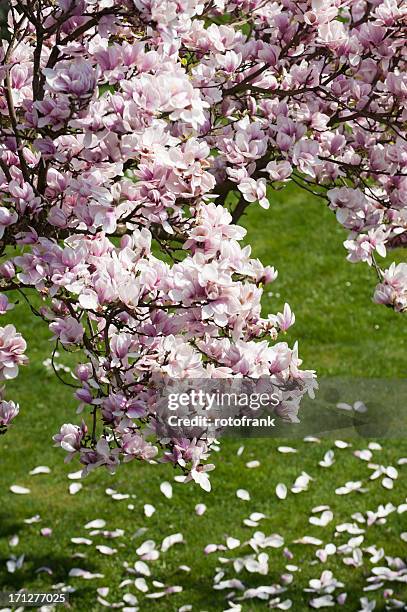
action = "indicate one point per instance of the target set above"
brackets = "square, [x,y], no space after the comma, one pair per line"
[41,469]
[176,538]
[149,510]
[281,491]
[166,489]
[200,509]
[96,524]
[243,494]
[18,490]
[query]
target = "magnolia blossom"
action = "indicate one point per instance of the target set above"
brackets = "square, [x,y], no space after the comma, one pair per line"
[12,349]
[135,446]
[70,437]
[254,190]
[68,330]
[333,33]
[279,171]
[392,290]
[5,304]
[7,217]
[8,411]
[363,246]
[285,319]
[71,77]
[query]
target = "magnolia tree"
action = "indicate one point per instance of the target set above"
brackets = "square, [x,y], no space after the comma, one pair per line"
[134,135]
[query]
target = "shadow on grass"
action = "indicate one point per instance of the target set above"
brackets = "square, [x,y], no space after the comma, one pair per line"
[59,565]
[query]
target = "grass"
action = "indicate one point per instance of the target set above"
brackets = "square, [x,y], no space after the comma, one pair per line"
[340,332]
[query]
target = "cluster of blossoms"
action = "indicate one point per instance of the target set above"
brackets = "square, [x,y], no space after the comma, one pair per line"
[127,127]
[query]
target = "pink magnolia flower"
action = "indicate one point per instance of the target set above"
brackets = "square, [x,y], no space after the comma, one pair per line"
[7,217]
[388,11]
[279,357]
[51,112]
[5,304]
[84,371]
[322,12]
[306,156]
[70,438]
[279,171]
[77,78]
[254,190]
[12,348]
[285,319]
[363,246]
[68,330]
[8,411]
[7,270]
[332,34]
[135,447]
[200,476]
[102,455]
[392,290]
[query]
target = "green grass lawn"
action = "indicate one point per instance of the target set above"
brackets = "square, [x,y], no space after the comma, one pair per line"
[340,332]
